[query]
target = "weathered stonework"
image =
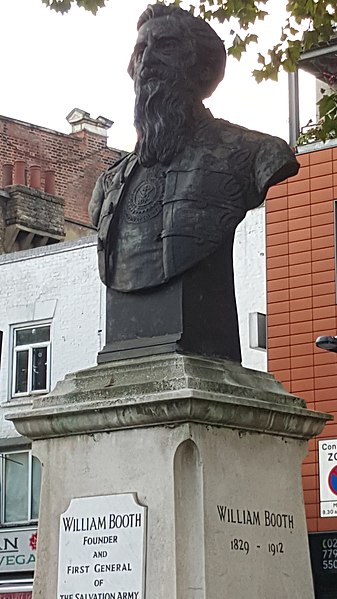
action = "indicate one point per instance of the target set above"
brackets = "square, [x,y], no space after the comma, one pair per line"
[213,450]
[35,209]
[36,215]
[166,390]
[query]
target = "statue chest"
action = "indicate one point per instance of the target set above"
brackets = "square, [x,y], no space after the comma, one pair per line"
[166,219]
[137,245]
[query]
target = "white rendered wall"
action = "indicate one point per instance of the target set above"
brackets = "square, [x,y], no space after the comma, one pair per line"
[250,281]
[58,283]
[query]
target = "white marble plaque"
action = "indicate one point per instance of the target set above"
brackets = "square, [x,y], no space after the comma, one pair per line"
[102,548]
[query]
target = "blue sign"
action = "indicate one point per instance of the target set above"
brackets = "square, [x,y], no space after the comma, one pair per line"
[332,480]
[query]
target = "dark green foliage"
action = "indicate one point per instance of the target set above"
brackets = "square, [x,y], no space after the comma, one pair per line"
[65,5]
[327,125]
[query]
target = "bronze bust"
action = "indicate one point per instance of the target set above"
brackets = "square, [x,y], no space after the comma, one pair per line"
[166,213]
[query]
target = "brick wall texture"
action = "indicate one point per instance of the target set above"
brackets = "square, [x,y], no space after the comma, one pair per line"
[77,159]
[301,299]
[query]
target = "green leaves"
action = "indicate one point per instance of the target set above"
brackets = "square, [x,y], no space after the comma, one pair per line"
[327,106]
[327,125]
[64,6]
[245,12]
[240,45]
[308,23]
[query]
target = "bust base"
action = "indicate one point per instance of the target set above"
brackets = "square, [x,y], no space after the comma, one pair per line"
[212,449]
[182,315]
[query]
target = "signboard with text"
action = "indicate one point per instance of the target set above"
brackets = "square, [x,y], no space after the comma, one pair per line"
[102,548]
[327,453]
[16,595]
[17,549]
[323,551]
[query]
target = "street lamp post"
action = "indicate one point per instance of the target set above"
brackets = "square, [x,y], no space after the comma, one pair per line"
[327,342]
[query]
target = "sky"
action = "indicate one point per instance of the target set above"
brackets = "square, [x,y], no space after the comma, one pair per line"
[52,63]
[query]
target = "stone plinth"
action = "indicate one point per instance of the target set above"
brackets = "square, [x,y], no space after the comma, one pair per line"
[212,450]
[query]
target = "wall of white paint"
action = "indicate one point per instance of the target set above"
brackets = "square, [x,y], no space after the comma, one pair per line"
[250,281]
[60,283]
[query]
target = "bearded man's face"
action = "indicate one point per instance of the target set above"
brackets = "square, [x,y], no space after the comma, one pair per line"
[163,67]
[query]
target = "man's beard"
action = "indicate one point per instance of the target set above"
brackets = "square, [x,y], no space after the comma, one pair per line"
[164,118]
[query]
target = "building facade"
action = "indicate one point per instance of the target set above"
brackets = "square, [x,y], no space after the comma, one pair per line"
[59,169]
[250,286]
[301,306]
[51,301]
[52,312]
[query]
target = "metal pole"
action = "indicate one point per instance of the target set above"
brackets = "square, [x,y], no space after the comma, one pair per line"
[294,111]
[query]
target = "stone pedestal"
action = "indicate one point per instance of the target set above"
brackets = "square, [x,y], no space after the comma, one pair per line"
[214,452]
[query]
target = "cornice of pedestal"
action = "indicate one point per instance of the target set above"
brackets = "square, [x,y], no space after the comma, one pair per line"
[168,389]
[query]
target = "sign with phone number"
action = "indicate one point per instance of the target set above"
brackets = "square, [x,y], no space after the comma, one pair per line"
[329,553]
[323,548]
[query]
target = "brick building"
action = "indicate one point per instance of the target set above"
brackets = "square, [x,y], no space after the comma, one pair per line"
[301,305]
[51,301]
[35,160]
[302,301]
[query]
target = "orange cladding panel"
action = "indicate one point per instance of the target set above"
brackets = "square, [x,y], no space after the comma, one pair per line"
[301,299]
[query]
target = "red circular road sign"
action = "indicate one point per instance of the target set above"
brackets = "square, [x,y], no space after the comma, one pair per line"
[332,480]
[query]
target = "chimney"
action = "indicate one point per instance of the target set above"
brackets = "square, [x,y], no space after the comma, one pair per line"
[35,176]
[49,182]
[7,175]
[82,121]
[19,172]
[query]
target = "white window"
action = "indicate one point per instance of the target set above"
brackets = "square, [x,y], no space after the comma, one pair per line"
[257,331]
[31,360]
[20,487]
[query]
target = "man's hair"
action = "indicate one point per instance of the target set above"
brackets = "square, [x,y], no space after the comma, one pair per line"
[210,49]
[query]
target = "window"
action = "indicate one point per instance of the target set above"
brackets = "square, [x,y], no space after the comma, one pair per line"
[20,487]
[257,331]
[31,360]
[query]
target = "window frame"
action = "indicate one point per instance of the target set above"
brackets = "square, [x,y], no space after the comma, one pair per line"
[29,347]
[254,331]
[29,490]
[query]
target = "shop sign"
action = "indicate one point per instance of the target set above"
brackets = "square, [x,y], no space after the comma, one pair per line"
[323,551]
[327,453]
[17,550]
[17,595]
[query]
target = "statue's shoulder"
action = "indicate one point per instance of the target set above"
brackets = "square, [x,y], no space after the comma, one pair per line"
[237,135]
[110,180]
[122,160]
[223,138]
[272,159]
[244,153]
[115,175]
